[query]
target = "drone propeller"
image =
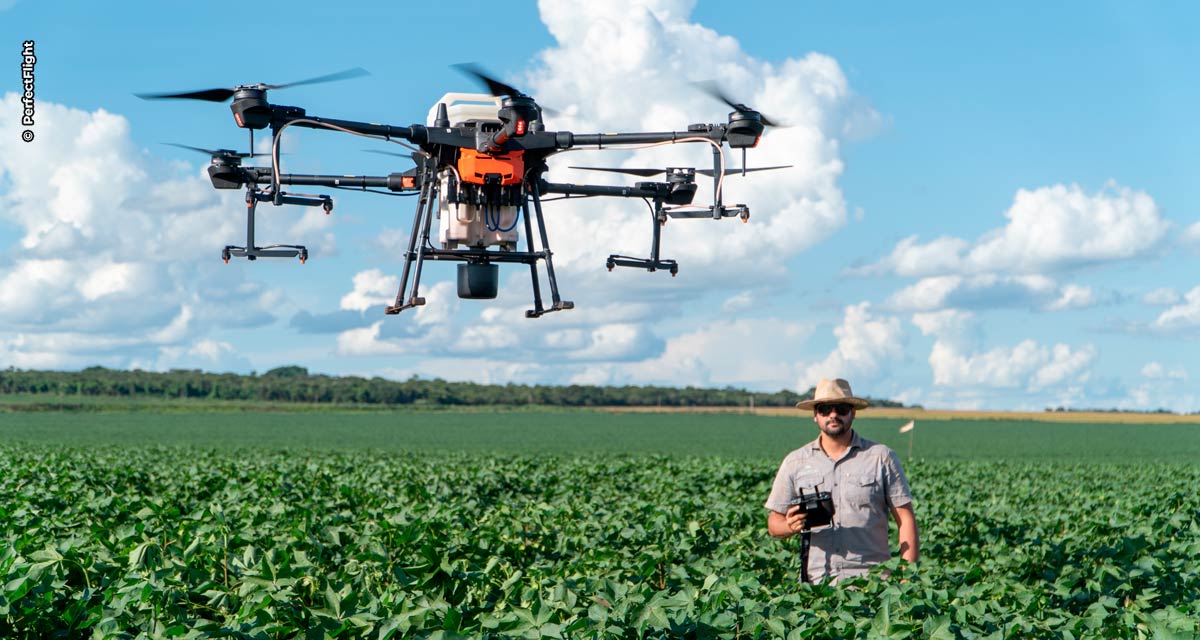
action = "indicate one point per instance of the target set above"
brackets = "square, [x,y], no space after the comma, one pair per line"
[713,90]
[742,171]
[414,156]
[646,173]
[221,95]
[227,153]
[496,87]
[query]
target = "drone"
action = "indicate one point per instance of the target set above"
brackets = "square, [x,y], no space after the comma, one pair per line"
[480,170]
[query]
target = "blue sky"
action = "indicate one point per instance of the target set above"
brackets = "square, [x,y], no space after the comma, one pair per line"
[992,207]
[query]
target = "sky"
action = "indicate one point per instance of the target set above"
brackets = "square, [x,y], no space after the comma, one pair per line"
[989,207]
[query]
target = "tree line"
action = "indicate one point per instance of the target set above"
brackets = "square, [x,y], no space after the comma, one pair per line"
[296,384]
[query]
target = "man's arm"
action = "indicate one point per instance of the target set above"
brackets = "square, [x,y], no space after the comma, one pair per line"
[910,542]
[781,526]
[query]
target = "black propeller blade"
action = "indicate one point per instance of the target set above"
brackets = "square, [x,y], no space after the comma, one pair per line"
[208,95]
[414,156]
[356,72]
[494,86]
[645,173]
[229,153]
[221,95]
[713,90]
[736,171]
[498,88]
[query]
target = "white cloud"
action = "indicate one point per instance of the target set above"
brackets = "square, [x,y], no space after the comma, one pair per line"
[1063,366]
[754,353]
[1062,226]
[1162,387]
[1156,371]
[1182,316]
[1163,296]
[1073,297]
[204,354]
[1191,236]
[910,259]
[115,247]
[372,288]
[651,49]
[738,302]
[865,347]
[1049,228]
[389,244]
[430,329]
[990,291]
[364,341]
[616,342]
[978,291]
[1026,365]
[944,322]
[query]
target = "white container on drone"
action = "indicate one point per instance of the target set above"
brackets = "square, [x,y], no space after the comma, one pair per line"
[464,223]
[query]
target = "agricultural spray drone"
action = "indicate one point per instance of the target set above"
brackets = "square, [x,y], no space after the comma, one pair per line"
[480,169]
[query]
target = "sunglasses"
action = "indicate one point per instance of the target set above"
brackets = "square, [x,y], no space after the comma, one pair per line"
[842,409]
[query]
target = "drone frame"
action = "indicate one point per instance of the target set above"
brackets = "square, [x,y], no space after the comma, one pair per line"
[520,133]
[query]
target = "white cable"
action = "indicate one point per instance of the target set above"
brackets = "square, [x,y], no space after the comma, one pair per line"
[279,134]
[720,181]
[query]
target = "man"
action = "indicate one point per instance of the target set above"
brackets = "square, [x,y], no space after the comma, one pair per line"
[866,483]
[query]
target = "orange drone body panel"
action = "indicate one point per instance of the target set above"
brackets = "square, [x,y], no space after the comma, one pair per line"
[473,166]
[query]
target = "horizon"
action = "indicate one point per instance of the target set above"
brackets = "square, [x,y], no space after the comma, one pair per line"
[885,405]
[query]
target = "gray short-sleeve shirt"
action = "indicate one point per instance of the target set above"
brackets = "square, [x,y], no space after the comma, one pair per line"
[865,484]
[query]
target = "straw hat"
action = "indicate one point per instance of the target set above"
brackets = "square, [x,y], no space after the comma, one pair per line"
[833,391]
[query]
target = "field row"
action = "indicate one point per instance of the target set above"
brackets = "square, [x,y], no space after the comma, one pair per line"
[957,415]
[187,542]
[593,432]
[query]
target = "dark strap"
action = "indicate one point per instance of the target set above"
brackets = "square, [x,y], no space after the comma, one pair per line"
[805,542]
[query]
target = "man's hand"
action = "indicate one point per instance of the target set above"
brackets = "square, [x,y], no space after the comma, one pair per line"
[786,525]
[909,538]
[796,518]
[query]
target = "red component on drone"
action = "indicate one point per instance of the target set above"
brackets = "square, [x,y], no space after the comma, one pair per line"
[473,166]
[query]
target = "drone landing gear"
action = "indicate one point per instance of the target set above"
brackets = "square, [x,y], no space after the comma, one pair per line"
[251,252]
[653,263]
[557,303]
[643,263]
[477,279]
[271,251]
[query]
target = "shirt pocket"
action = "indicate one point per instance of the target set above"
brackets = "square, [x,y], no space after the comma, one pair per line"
[808,483]
[862,489]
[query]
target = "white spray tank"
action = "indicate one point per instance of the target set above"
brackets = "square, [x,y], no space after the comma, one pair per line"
[466,222]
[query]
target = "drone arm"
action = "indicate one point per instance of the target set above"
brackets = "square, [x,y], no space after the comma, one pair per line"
[671,193]
[392,182]
[642,190]
[298,118]
[714,133]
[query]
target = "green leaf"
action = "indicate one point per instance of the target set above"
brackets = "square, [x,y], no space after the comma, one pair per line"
[452,620]
[883,618]
[333,601]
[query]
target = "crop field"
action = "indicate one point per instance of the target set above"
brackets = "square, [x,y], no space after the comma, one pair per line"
[574,524]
